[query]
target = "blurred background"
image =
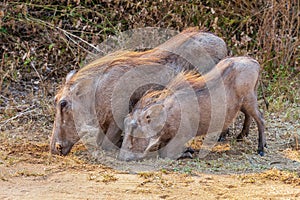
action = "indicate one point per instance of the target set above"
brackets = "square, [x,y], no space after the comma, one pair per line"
[42,40]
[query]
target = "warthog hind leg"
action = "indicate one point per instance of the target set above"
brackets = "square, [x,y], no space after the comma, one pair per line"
[246,126]
[223,135]
[251,107]
[188,153]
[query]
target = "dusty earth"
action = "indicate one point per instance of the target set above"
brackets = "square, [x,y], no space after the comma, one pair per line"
[231,171]
[35,61]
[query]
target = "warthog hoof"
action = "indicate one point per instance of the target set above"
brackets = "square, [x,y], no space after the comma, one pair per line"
[188,153]
[185,155]
[260,152]
[58,148]
[189,150]
[221,139]
[223,135]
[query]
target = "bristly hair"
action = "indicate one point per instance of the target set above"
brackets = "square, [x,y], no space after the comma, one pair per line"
[181,81]
[132,58]
[186,79]
[100,65]
[103,64]
[195,29]
[155,56]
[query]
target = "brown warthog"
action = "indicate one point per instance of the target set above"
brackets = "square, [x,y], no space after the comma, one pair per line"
[97,96]
[162,121]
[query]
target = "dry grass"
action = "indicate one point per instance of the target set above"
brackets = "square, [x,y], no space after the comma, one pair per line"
[41,41]
[108,178]
[273,175]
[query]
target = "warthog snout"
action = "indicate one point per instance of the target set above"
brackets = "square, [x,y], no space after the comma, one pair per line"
[126,155]
[58,148]
[133,124]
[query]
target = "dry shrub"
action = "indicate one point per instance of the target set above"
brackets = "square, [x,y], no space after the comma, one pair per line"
[267,29]
[278,47]
[278,34]
[39,40]
[273,175]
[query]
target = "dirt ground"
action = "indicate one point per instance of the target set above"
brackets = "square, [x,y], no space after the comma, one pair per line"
[38,181]
[231,171]
[41,41]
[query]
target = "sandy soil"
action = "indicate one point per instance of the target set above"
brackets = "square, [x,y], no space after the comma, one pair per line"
[231,171]
[38,181]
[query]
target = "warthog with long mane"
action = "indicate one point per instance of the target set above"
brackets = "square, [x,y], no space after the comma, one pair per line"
[205,104]
[85,100]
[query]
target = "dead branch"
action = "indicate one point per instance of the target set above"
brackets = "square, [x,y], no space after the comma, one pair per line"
[33,66]
[296,141]
[67,34]
[27,111]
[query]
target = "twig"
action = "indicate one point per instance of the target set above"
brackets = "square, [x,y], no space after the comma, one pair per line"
[78,44]
[67,34]
[1,70]
[4,97]
[32,65]
[17,107]
[18,115]
[79,38]
[296,141]
[2,63]
[263,93]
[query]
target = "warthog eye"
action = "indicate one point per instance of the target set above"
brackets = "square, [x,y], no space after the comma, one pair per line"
[63,103]
[148,118]
[55,100]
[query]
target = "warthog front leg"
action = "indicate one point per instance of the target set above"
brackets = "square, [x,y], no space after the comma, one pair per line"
[112,138]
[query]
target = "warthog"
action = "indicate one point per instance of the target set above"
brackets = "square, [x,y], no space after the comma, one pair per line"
[204,104]
[91,91]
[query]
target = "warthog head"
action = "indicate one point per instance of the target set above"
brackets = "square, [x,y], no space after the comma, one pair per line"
[143,132]
[64,134]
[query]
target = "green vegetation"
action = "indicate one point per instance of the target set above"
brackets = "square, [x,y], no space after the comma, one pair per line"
[41,41]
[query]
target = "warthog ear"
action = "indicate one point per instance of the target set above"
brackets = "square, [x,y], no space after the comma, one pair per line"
[155,110]
[70,75]
[153,144]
